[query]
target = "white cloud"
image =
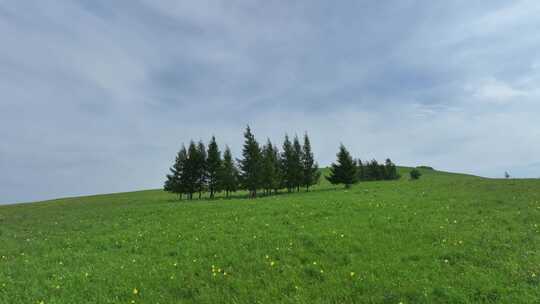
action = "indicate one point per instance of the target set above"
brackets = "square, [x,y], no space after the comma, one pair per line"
[491,90]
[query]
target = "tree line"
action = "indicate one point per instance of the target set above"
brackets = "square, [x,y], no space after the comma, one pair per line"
[349,171]
[261,168]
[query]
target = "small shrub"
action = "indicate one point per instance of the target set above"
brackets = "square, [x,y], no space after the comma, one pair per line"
[425,167]
[415,174]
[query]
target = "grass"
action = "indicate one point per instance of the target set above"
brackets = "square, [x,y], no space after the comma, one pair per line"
[446,238]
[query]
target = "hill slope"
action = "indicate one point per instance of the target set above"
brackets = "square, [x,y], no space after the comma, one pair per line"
[445,238]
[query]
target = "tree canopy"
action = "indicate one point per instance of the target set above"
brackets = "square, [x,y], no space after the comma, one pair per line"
[344,170]
[200,168]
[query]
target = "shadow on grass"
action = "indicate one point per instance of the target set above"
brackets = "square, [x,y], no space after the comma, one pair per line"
[243,195]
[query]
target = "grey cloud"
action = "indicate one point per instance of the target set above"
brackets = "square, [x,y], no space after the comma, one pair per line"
[97,96]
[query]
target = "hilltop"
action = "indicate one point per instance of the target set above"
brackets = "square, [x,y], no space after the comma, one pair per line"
[444,238]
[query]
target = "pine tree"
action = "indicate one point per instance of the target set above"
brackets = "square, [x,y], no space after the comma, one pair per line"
[250,164]
[344,171]
[174,182]
[278,182]
[298,172]
[269,168]
[190,176]
[229,173]
[201,165]
[213,167]
[310,168]
[382,172]
[391,170]
[288,164]
[170,181]
[361,170]
[373,171]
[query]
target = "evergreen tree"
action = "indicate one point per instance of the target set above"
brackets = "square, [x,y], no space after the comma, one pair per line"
[297,170]
[250,164]
[174,182]
[310,168]
[368,174]
[415,174]
[288,164]
[344,171]
[278,182]
[361,170]
[373,170]
[391,170]
[213,167]
[170,181]
[190,176]
[201,168]
[229,173]
[382,172]
[269,172]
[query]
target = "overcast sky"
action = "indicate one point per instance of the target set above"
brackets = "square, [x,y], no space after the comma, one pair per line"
[97,96]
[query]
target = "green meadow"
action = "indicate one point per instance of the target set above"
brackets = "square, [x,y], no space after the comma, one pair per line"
[445,238]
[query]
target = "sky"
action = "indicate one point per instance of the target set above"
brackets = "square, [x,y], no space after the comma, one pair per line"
[97,96]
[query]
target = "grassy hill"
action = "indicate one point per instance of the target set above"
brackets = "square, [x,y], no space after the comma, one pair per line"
[446,238]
